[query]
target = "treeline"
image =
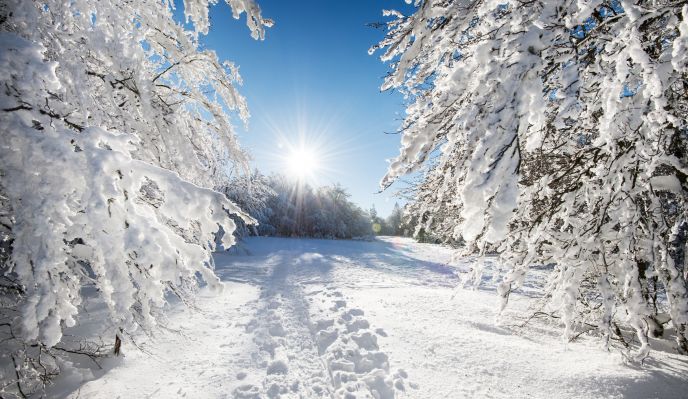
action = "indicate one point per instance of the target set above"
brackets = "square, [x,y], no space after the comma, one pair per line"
[288,207]
[393,225]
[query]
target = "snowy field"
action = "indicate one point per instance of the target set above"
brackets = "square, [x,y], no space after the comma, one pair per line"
[302,318]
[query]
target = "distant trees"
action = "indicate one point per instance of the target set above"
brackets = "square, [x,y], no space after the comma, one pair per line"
[391,226]
[555,132]
[394,221]
[291,208]
[114,133]
[377,222]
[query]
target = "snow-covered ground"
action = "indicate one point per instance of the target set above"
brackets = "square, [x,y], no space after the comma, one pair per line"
[316,318]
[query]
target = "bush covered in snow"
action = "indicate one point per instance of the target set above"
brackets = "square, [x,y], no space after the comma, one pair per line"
[561,135]
[114,133]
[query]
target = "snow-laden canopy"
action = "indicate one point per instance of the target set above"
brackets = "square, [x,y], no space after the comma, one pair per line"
[554,132]
[115,130]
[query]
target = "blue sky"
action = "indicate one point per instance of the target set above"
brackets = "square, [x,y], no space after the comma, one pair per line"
[311,80]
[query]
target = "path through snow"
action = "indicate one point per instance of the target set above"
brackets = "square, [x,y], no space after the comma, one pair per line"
[355,319]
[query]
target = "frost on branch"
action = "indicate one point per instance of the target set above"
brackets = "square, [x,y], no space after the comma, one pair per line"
[555,132]
[114,136]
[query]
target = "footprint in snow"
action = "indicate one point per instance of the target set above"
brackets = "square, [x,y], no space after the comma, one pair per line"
[276,330]
[246,391]
[278,367]
[351,353]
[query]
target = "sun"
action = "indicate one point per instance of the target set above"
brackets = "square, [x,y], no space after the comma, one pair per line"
[302,163]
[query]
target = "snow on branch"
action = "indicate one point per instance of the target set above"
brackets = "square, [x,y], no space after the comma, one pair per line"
[114,136]
[554,132]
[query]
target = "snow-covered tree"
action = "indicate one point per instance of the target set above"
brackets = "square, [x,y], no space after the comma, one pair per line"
[434,211]
[563,139]
[394,220]
[253,194]
[115,130]
[291,208]
[376,221]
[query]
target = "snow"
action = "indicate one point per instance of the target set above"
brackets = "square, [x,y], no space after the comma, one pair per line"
[326,318]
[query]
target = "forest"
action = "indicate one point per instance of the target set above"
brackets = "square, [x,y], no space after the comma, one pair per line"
[542,161]
[287,207]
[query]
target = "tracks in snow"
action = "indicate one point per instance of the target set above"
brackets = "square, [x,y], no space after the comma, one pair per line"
[308,343]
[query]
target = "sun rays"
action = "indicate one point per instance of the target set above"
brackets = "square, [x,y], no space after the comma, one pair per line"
[304,149]
[302,163]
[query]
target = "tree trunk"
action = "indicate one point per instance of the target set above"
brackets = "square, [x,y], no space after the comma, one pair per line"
[118,344]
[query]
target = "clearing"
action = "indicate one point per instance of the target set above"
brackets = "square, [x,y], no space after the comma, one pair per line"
[305,318]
